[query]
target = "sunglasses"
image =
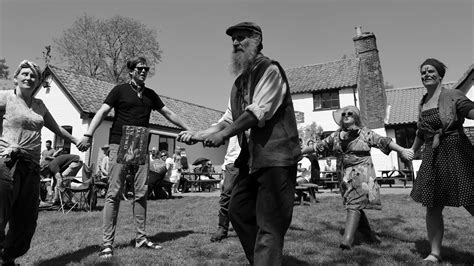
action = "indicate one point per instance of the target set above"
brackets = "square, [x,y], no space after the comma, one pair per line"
[140,69]
[347,114]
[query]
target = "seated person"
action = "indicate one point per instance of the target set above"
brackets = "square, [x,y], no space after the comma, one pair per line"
[206,169]
[65,165]
[156,174]
[303,171]
[303,175]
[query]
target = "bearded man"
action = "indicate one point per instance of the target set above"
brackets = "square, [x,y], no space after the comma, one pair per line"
[261,114]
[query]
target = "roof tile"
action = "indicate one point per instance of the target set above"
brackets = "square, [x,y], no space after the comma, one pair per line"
[404,104]
[331,75]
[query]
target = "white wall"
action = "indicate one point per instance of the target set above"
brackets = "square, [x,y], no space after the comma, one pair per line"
[303,102]
[63,112]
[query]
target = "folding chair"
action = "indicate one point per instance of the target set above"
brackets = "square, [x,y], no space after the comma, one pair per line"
[81,191]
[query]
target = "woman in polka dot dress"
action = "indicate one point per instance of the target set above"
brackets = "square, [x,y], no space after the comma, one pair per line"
[446,175]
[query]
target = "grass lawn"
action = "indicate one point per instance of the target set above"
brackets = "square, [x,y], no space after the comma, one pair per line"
[184,225]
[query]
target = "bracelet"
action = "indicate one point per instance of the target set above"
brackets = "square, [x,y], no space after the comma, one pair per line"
[88,135]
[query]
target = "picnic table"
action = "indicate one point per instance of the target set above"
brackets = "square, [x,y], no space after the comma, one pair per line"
[197,184]
[329,179]
[389,176]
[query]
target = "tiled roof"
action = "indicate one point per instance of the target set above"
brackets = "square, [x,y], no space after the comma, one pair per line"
[404,104]
[89,93]
[331,75]
[469,71]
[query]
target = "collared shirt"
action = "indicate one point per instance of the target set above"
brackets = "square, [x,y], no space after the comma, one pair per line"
[233,147]
[267,98]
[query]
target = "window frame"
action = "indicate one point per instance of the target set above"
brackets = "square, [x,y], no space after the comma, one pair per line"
[332,97]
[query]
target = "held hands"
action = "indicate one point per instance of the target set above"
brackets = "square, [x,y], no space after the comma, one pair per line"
[189,137]
[214,140]
[408,154]
[209,140]
[308,149]
[84,144]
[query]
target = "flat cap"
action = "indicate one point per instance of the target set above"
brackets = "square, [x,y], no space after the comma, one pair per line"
[244,26]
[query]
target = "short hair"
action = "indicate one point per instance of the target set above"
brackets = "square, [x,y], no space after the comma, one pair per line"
[132,63]
[440,67]
[49,141]
[31,65]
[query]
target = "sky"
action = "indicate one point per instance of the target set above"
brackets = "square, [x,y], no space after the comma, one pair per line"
[196,50]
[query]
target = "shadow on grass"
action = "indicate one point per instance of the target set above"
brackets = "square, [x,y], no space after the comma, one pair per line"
[75,256]
[82,253]
[168,236]
[423,248]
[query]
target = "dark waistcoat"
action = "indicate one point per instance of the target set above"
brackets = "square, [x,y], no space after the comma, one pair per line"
[276,143]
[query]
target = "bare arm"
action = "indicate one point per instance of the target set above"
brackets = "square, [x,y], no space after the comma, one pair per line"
[86,140]
[172,117]
[52,125]
[416,144]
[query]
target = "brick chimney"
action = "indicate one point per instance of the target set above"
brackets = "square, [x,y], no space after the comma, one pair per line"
[371,89]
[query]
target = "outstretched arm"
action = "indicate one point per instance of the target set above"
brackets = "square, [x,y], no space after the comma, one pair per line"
[52,125]
[173,118]
[86,140]
[245,121]
[406,154]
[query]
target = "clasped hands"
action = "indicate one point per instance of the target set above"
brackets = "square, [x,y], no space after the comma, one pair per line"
[208,140]
[84,144]
[407,154]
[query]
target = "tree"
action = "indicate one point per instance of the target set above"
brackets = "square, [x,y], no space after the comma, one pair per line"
[4,72]
[101,48]
[310,132]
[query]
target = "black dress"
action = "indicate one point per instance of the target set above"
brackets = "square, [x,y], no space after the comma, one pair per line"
[446,174]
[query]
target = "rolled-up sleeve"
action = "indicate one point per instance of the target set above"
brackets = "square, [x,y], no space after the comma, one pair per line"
[268,95]
[227,116]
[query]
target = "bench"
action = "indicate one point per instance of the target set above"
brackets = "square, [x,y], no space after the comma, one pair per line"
[389,176]
[202,185]
[386,180]
[310,188]
[328,183]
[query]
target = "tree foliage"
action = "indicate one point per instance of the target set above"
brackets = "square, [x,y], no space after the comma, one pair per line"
[101,48]
[4,72]
[310,132]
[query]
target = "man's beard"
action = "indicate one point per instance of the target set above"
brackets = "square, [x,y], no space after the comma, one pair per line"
[241,61]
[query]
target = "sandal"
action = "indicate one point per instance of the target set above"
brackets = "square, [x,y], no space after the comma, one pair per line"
[147,244]
[106,252]
[433,258]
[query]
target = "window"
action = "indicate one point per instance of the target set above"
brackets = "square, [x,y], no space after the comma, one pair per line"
[167,143]
[63,143]
[326,100]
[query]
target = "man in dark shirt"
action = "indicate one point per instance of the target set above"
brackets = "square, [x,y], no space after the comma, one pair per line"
[132,103]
